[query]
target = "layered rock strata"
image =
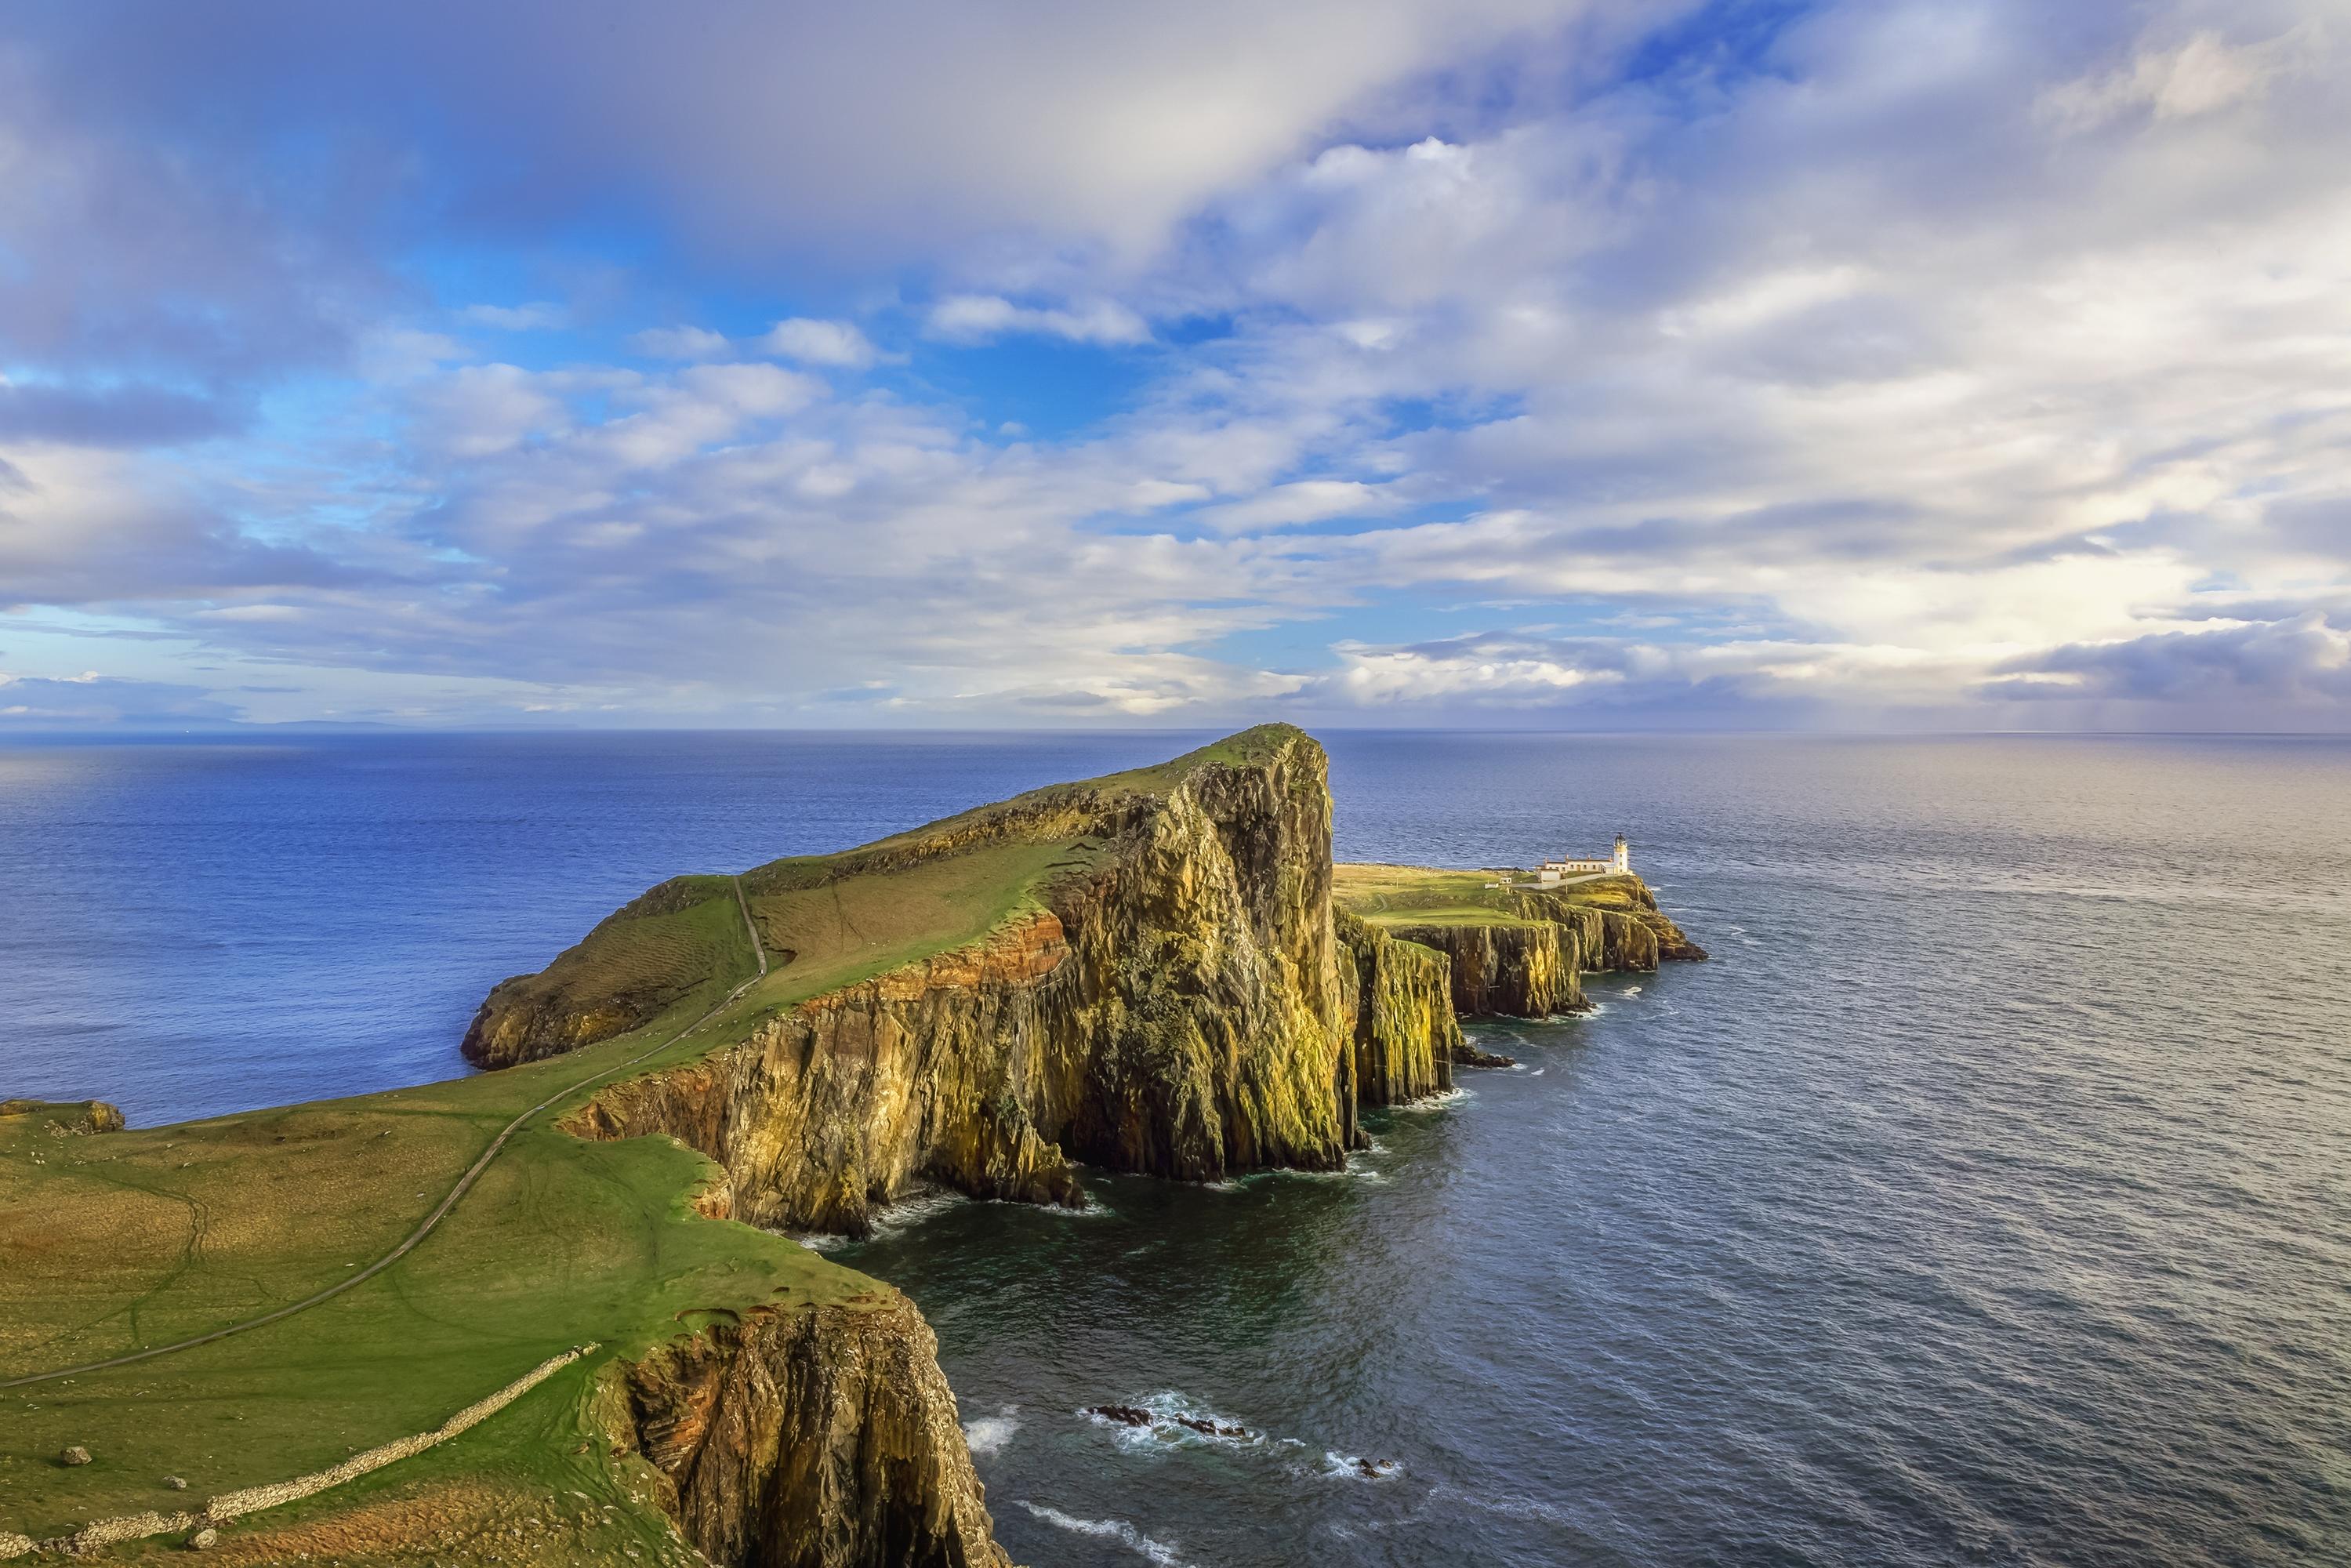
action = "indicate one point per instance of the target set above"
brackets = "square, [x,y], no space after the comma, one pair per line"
[1618,921]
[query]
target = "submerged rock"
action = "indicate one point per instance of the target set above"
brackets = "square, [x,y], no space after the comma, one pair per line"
[1470,1055]
[1125,1415]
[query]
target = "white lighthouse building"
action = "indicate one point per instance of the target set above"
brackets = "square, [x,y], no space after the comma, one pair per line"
[1619,863]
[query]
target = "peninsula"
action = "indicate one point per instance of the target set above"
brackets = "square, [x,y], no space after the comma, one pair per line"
[544,1313]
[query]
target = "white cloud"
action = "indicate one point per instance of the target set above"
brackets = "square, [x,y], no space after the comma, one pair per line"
[976,318]
[482,408]
[1953,355]
[679,343]
[539,316]
[1305,501]
[814,342]
[2201,76]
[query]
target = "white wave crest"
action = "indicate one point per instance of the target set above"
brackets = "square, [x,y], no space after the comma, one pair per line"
[1354,1467]
[990,1434]
[1117,1530]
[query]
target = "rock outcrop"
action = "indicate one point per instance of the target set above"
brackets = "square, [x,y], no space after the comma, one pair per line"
[1174,996]
[1526,970]
[71,1117]
[815,1437]
[1618,920]
[1399,995]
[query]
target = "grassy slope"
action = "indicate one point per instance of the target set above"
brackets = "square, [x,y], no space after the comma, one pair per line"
[1430,895]
[1422,896]
[125,1239]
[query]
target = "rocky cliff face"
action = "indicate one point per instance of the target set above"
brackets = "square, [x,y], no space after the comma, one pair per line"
[1174,1009]
[1618,922]
[1528,970]
[816,1437]
[1399,995]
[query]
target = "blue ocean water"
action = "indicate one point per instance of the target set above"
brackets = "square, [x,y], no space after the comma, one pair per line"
[1986,1198]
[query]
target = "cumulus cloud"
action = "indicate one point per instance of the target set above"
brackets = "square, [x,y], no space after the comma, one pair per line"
[1302,501]
[679,343]
[2304,659]
[1951,360]
[813,342]
[976,318]
[539,316]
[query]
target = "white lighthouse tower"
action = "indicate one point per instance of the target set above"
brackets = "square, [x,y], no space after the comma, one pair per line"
[1623,859]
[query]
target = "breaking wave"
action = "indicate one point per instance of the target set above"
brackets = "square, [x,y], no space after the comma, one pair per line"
[1117,1530]
[990,1434]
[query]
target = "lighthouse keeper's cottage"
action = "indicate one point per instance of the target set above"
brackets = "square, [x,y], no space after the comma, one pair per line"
[1619,864]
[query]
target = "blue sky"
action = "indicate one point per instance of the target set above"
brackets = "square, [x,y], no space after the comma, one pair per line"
[1963,364]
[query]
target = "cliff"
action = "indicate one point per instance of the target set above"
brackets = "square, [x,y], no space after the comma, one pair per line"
[1618,919]
[1147,980]
[71,1118]
[1401,1000]
[1521,969]
[818,1437]
[1151,972]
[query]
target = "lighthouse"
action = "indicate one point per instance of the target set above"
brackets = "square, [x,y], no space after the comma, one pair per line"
[1623,858]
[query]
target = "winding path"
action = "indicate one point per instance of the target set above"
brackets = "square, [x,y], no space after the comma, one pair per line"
[441,1211]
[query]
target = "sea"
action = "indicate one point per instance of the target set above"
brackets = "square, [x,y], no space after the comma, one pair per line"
[1984,1198]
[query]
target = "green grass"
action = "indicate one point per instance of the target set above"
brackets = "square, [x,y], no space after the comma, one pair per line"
[143,1236]
[638,961]
[1432,895]
[1386,895]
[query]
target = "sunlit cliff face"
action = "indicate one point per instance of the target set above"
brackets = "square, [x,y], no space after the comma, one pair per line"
[1965,364]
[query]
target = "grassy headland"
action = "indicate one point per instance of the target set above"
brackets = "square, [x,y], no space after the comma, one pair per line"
[118,1241]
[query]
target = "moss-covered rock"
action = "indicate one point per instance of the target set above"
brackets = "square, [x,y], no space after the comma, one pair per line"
[1405,1031]
[1529,968]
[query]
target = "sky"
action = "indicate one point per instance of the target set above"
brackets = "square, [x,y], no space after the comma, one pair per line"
[1577,364]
